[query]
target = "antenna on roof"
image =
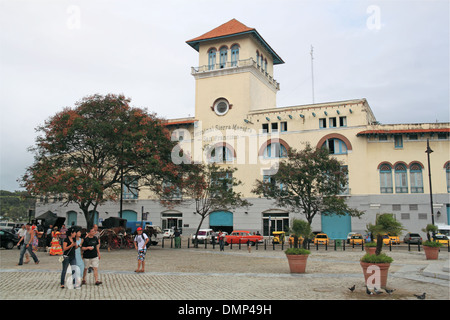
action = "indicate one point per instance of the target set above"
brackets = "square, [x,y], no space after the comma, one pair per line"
[312,72]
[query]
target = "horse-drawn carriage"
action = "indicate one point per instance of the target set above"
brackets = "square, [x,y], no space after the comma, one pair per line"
[114,235]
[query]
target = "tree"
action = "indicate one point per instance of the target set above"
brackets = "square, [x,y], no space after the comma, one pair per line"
[308,182]
[300,228]
[209,186]
[385,224]
[82,154]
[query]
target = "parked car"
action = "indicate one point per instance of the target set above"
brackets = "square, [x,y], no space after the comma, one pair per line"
[349,236]
[8,240]
[168,233]
[321,238]
[441,238]
[203,235]
[243,236]
[412,238]
[387,239]
[356,239]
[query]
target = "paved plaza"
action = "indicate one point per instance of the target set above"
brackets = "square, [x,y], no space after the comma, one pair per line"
[208,274]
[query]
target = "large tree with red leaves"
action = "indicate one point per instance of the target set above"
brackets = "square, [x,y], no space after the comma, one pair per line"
[82,153]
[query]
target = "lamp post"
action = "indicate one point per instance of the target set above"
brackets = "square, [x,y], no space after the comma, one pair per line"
[428,151]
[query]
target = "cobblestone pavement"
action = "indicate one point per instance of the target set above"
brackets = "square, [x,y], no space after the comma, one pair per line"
[206,274]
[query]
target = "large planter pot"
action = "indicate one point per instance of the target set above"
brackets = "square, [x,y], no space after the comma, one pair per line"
[431,253]
[297,262]
[370,250]
[373,270]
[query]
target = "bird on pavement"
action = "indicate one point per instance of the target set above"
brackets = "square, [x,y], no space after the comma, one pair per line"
[352,288]
[421,297]
[389,291]
[377,291]
[368,291]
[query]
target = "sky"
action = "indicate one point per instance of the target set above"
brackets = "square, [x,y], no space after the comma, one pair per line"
[53,53]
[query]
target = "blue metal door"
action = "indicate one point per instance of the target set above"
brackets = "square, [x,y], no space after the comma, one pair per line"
[335,226]
[221,218]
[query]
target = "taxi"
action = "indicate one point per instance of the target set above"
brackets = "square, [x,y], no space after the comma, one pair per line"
[291,240]
[321,238]
[356,239]
[441,238]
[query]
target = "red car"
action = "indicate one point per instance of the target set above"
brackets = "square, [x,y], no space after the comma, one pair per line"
[242,236]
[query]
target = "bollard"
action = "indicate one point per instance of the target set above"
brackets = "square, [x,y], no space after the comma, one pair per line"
[239,244]
[171,242]
[265,244]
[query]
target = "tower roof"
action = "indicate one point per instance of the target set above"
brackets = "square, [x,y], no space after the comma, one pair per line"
[230,29]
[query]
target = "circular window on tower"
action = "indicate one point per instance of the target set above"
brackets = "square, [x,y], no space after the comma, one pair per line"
[221,106]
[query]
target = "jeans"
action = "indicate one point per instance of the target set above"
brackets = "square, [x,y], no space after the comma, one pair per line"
[28,248]
[65,265]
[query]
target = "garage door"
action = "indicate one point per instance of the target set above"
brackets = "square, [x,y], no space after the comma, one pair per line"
[222,220]
[335,226]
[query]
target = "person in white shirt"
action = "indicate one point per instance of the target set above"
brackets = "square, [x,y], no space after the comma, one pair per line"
[140,244]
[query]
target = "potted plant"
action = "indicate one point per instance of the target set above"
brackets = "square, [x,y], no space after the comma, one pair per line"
[296,256]
[431,247]
[378,264]
[370,247]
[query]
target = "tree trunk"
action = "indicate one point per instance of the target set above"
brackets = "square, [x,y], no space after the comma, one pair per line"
[379,244]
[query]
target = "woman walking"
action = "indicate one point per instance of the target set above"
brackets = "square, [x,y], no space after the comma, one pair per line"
[69,246]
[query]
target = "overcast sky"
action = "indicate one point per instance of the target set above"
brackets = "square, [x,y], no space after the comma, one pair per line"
[52,53]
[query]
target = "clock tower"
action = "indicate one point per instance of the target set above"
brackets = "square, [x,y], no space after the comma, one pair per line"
[235,74]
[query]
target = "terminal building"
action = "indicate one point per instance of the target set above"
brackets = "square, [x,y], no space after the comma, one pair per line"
[237,123]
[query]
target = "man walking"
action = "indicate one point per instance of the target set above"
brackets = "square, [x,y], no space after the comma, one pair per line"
[91,255]
[27,245]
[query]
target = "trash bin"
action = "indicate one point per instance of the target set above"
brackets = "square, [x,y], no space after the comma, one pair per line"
[338,242]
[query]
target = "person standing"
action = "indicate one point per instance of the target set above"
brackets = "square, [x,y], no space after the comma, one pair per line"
[221,240]
[91,255]
[27,246]
[140,244]
[69,247]
[177,236]
[78,255]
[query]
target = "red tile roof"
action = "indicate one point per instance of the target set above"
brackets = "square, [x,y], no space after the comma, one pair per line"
[231,27]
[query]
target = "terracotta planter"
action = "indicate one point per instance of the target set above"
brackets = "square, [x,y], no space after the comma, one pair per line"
[372,271]
[370,250]
[432,253]
[297,262]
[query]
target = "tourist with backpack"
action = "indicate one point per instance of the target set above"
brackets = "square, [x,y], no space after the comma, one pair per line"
[140,244]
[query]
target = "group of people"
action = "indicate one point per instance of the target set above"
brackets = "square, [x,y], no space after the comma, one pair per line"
[80,252]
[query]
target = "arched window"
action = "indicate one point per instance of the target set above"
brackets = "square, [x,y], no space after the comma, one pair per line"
[223,57]
[386,178]
[234,55]
[335,146]
[275,150]
[221,154]
[211,59]
[257,58]
[265,65]
[415,174]
[401,179]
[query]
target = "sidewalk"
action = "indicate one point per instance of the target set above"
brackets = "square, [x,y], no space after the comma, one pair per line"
[199,274]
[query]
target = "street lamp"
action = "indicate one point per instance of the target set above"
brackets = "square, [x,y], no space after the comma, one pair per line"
[428,151]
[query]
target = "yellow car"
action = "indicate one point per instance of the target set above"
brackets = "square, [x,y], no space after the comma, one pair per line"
[321,238]
[390,239]
[441,238]
[356,239]
[291,240]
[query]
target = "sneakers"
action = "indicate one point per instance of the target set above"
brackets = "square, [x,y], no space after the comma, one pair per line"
[98,283]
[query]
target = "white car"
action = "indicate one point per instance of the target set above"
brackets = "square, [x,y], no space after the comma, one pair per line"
[168,233]
[203,235]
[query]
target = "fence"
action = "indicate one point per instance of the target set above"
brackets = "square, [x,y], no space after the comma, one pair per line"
[336,245]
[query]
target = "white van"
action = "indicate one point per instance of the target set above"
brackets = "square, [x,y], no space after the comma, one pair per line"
[4,225]
[203,235]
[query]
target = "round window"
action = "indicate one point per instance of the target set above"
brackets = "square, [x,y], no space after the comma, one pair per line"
[221,107]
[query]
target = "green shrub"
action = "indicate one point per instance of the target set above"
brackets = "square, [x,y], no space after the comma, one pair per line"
[370,244]
[432,244]
[373,258]
[297,251]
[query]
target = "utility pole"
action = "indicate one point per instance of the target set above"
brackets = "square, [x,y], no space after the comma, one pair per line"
[428,151]
[312,72]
